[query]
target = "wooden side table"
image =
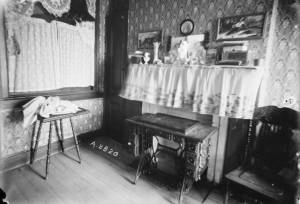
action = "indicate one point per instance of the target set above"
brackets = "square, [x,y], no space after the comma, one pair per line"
[193,139]
[54,120]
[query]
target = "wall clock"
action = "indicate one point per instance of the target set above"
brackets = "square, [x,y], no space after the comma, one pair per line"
[187,26]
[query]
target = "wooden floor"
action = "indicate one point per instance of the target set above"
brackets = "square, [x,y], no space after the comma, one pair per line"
[98,179]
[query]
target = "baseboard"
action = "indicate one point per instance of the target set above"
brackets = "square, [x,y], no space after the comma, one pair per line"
[22,158]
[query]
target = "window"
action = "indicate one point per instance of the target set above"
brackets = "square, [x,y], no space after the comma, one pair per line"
[45,58]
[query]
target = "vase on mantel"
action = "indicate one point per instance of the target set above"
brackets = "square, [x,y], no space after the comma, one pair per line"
[156,47]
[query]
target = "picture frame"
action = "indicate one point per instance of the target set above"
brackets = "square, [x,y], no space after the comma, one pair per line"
[187,27]
[188,49]
[242,27]
[146,39]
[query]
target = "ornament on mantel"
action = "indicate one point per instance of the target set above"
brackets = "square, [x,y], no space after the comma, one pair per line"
[156,60]
[146,57]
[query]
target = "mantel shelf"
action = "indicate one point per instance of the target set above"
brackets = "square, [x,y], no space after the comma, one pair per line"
[202,66]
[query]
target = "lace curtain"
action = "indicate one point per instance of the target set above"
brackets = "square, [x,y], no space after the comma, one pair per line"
[47,56]
[56,7]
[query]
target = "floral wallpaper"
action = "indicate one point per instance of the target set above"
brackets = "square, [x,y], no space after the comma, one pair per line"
[14,138]
[104,8]
[168,14]
[281,80]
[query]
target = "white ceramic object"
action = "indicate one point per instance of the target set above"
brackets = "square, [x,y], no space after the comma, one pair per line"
[156,47]
[146,57]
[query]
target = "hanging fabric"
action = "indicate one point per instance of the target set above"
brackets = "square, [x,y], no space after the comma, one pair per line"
[56,7]
[91,6]
[229,92]
[49,56]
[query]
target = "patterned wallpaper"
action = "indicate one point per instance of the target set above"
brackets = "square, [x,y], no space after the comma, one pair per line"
[14,138]
[282,78]
[167,15]
[104,7]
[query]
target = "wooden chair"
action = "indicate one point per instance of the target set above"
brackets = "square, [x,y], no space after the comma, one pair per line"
[270,155]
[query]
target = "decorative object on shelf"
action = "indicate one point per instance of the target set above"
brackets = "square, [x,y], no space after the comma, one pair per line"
[211,56]
[146,39]
[183,52]
[156,47]
[233,53]
[146,57]
[241,27]
[187,26]
[136,57]
[187,50]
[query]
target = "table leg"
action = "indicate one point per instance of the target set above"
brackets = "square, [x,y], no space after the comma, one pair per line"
[58,136]
[49,149]
[185,187]
[62,133]
[227,193]
[144,161]
[34,149]
[75,140]
[32,141]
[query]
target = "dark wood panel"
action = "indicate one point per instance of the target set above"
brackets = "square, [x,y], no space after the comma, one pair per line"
[236,143]
[116,108]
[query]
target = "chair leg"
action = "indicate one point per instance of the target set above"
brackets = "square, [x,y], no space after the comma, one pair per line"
[49,149]
[59,136]
[34,148]
[227,193]
[76,141]
[211,188]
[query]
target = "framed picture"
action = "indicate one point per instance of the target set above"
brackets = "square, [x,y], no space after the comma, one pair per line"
[188,48]
[241,27]
[146,39]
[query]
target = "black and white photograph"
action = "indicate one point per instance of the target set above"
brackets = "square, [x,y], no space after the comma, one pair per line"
[149,102]
[240,27]
[146,39]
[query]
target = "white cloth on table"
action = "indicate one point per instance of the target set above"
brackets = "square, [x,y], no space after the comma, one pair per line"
[214,90]
[46,107]
[31,109]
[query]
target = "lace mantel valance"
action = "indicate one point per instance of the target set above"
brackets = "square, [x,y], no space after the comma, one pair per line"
[229,92]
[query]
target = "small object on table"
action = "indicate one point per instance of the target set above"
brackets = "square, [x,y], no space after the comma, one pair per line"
[53,120]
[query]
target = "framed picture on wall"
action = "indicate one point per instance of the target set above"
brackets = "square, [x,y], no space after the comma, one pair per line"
[146,39]
[241,27]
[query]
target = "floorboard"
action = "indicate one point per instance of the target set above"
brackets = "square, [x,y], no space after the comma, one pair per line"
[100,178]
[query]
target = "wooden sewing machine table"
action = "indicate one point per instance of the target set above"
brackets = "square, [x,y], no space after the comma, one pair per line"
[192,137]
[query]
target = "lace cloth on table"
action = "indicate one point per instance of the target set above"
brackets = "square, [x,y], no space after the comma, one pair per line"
[227,92]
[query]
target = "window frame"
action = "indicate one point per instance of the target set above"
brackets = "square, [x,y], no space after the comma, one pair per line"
[72,93]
